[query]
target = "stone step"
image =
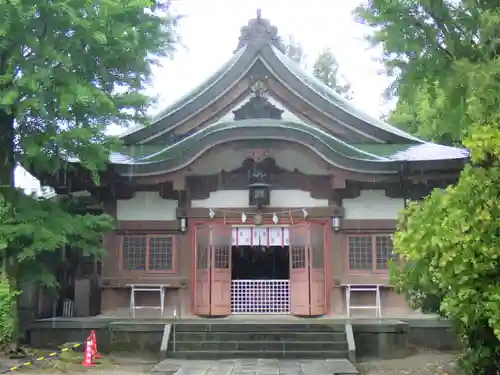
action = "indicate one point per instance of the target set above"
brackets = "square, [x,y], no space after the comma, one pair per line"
[292,354]
[260,336]
[256,327]
[260,346]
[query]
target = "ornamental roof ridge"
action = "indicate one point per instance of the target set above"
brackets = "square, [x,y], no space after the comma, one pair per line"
[258,32]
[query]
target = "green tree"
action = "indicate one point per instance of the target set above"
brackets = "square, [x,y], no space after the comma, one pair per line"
[294,50]
[448,245]
[326,69]
[444,57]
[427,47]
[67,71]
[7,294]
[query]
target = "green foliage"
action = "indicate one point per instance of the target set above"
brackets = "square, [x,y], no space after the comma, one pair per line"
[8,295]
[449,247]
[68,69]
[7,320]
[36,230]
[294,50]
[326,69]
[449,242]
[435,50]
[444,57]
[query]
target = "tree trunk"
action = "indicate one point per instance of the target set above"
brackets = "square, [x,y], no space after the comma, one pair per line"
[7,162]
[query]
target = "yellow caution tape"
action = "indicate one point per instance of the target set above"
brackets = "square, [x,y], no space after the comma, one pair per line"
[48,356]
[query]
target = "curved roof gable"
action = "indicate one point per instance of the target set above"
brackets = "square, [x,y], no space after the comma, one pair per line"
[199,97]
[259,42]
[376,159]
[340,108]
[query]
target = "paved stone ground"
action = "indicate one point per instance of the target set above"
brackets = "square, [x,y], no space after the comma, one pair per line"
[256,367]
[426,363]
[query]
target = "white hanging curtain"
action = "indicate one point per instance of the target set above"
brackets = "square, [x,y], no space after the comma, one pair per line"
[259,236]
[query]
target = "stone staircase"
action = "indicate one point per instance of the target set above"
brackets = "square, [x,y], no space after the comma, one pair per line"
[257,340]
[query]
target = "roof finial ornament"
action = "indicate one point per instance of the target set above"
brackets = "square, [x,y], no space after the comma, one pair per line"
[259,32]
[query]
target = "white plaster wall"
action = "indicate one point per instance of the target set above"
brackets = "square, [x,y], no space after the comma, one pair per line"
[239,198]
[372,204]
[223,199]
[146,205]
[295,199]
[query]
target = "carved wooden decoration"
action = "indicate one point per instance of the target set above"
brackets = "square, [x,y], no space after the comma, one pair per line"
[258,107]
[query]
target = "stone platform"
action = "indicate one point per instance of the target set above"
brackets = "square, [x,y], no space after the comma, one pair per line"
[372,338]
[256,367]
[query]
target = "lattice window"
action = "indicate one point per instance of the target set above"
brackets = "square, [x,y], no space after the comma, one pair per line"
[222,256]
[161,253]
[369,253]
[134,253]
[360,253]
[148,253]
[298,257]
[383,251]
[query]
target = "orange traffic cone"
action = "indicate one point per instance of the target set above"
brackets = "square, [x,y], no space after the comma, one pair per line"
[87,356]
[95,353]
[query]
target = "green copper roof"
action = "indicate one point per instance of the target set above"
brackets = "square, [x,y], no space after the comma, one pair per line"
[152,159]
[279,67]
[336,99]
[195,93]
[368,145]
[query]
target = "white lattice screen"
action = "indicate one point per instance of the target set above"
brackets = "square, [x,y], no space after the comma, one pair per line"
[260,296]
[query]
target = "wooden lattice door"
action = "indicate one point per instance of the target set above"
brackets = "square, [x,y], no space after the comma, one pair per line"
[317,269]
[299,269]
[203,272]
[221,242]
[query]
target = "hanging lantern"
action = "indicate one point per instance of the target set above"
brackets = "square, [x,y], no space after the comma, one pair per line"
[182,224]
[336,219]
[259,194]
[182,220]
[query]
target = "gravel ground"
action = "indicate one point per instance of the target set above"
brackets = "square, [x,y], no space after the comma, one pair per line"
[417,364]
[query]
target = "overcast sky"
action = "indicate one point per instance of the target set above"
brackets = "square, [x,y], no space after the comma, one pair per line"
[210,31]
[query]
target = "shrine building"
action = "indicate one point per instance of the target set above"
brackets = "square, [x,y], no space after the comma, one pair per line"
[262,191]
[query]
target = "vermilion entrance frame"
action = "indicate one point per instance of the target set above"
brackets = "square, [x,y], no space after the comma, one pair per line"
[327,236]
